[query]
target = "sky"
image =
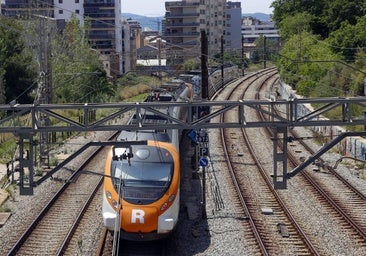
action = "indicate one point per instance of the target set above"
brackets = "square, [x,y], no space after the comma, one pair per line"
[154,8]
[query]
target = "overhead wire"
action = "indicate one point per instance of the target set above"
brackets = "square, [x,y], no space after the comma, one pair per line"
[336,46]
[191,50]
[122,54]
[118,26]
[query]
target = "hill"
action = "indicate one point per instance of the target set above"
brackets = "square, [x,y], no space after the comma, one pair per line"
[154,23]
[147,23]
[258,15]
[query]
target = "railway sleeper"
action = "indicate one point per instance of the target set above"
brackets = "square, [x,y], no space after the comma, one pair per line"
[282,229]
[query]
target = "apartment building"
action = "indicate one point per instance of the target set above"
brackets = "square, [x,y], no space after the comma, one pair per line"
[28,8]
[134,31]
[105,17]
[233,38]
[181,30]
[215,15]
[182,27]
[253,29]
[106,31]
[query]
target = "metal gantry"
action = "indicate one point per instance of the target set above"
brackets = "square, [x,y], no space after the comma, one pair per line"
[15,119]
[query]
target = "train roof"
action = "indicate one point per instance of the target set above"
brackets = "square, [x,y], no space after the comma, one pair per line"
[147,118]
[144,135]
[165,93]
[169,91]
[160,96]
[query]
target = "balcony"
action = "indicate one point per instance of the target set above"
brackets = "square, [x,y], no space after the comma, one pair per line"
[181,34]
[169,15]
[181,4]
[182,24]
[184,44]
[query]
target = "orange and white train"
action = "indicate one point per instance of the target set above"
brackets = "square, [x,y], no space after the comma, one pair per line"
[141,195]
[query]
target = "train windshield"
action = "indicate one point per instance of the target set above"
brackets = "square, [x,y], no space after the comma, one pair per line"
[145,178]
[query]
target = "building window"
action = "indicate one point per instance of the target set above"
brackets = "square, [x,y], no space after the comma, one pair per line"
[77,11]
[60,11]
[60,1]
[76,1]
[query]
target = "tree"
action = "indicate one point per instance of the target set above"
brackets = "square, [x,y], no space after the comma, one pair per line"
[2,90]
[323,40]
[289,8]
[305,61]
[340,11]
[191,64]
[359,81]
[293,25]
[327,15]
[17,66]
[265,50]
[349,38]
[78,74]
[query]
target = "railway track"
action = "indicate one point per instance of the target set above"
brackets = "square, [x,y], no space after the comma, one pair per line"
[265,233]
[335,193]
[52,230]
[267,213]
[107,246]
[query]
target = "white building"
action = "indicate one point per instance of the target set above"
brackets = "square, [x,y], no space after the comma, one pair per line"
[105,33]
[252,29]
[106,30]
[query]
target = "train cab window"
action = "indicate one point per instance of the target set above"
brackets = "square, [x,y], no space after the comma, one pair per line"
[145,177]
[143,183]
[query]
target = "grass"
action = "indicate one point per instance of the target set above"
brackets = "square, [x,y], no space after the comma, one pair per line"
[4,208]
[7,149]
[3,180]
[133,93]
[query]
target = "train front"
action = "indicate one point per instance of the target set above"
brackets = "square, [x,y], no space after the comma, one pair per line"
[142,198]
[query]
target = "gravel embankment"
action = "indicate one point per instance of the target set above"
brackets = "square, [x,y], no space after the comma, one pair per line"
[25,208]
[218,234]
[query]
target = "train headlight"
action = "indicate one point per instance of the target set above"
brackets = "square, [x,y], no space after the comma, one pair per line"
[164,206]
[171,198]
[110,198]
[115,204]
[108,194]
